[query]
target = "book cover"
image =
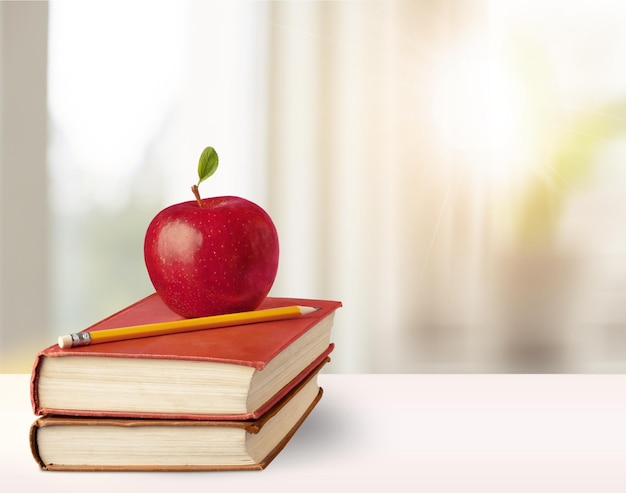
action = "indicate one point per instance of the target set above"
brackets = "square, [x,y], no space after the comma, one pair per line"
[253,348]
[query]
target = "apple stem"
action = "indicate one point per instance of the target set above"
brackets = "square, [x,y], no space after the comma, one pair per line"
[196,192]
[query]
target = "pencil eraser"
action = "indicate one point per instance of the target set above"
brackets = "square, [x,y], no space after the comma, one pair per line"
[65,341]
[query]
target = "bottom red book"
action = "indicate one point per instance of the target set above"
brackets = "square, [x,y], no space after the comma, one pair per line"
[68,443]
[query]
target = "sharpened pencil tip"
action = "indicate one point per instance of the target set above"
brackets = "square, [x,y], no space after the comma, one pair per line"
[307,309]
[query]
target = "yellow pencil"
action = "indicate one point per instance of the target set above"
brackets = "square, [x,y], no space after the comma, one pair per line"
[185,325]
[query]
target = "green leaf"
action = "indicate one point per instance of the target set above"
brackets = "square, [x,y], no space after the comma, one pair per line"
[207,164]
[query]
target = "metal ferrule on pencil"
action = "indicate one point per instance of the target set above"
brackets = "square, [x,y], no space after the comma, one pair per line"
[81,339]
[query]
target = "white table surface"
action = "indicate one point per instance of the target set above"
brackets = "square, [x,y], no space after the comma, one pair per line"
[414,433]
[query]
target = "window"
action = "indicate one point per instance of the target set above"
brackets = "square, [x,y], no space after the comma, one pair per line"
[135,94]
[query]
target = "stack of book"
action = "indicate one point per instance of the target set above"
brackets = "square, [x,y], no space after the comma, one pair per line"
[221,399]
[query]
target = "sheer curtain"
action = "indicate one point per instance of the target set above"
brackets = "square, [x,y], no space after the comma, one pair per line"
[449,170]
[372,209]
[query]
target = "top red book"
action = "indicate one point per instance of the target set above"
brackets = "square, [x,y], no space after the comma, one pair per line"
[235,372]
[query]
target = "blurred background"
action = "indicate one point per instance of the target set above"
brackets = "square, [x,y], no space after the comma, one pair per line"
[452,170]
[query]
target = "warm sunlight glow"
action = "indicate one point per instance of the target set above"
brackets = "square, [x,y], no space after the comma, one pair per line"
[478,111]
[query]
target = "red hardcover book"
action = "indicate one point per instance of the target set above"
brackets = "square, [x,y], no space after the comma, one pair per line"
[233,373]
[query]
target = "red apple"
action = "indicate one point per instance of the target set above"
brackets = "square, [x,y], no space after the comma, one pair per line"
[212,256]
